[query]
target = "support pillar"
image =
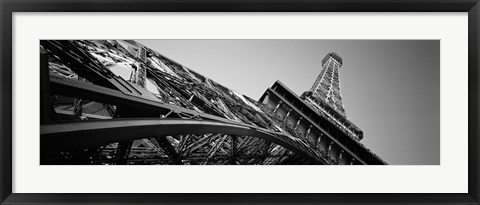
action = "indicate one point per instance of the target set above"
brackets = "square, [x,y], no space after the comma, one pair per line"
[276,107]
[298,122]
[340,155]
[308,131]
[329,147]
[47,113]
[123,150]
[286,116]
[233,154]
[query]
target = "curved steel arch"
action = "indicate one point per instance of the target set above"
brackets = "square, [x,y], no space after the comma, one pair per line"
[98,132]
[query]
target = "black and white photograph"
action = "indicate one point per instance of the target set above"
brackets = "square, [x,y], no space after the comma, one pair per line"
[239,102]
[122,102]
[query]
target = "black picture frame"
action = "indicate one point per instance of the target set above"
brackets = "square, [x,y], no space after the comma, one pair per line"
[7,8]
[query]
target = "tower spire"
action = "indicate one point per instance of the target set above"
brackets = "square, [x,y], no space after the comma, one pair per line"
[327,84]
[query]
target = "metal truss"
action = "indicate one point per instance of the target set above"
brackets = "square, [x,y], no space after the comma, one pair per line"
[95,133]
[91,115]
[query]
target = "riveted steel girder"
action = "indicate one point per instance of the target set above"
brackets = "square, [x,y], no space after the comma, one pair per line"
[99,132]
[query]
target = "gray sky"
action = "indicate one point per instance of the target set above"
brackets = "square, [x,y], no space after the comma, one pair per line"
[390,88]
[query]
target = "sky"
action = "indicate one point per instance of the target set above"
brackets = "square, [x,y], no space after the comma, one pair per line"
[390,88]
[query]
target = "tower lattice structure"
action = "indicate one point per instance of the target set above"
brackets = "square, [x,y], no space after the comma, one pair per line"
[327,84]
[325,96]
[110,102]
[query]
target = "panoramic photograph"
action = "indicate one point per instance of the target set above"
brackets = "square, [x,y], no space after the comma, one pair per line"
[240,102]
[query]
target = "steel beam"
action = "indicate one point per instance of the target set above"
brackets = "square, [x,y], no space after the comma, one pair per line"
[73,88]
[218,143]
[350,150]
[123,150]
[47,113]
[233,150]
[98,132]
[169,150]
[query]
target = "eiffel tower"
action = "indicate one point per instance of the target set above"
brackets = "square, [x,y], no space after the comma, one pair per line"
[327,86]
[112,102]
